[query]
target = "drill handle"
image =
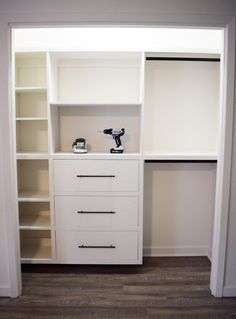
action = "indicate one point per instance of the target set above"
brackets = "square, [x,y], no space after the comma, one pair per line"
[117,140]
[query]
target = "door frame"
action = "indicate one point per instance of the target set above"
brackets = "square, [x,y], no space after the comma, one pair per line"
[225,139]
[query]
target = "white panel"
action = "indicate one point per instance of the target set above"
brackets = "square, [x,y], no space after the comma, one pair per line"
[125,247]
[181,107]
[92,211]
[119,175]
[178,206]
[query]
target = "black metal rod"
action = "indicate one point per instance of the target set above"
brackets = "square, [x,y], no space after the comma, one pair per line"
[180,161]
[95,212]
[95,175]
[182,59]
[84,246]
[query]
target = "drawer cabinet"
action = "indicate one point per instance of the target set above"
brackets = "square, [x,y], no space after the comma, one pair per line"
[97,211]
[113,212]
[96,175]
[97,247]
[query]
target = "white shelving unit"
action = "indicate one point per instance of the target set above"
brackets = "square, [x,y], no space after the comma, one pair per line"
[31,118]
[89,208]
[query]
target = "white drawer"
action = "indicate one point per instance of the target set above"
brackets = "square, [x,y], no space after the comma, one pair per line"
[96,175]
[112,212]
[97,247]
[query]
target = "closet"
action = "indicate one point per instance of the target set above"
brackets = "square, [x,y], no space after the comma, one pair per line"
[93,208]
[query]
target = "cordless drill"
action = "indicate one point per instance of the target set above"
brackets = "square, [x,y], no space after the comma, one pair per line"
[116,134]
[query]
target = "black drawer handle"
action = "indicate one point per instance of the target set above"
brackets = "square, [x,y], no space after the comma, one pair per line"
[95,212]
[111,176]
[84,246]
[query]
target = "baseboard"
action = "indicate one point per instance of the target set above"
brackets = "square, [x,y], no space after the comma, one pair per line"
[175,251]
[209,255]
[5,291]
[229,291]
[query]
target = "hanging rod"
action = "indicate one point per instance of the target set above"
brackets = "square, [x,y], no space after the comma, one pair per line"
[179,161]
[182,59]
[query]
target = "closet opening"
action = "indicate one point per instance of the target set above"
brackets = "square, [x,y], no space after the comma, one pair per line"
[165,87]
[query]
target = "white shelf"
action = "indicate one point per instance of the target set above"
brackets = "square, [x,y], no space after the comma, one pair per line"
[31,89]
[71,155]
[181,156]
[34,221]
[33,196]
[31,118]
[35,155]
[28,221]
[60,103]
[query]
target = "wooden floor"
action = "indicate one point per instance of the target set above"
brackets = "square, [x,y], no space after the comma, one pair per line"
[162,288]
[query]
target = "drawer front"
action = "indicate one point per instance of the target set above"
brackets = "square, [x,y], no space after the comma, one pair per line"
[97,247]
[112,212]
[96,175]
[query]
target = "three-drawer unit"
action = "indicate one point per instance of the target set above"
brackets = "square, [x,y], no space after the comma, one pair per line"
[97,211]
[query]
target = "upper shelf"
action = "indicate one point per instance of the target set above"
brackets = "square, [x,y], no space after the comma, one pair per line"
[95,78]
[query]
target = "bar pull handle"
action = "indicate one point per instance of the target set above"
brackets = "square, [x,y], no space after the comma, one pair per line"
[109,176]
[94,212]
[85,246]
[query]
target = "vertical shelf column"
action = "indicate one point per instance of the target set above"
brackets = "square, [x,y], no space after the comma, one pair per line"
[31,119]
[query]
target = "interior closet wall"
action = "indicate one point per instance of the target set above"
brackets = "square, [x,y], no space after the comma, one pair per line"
[179,203]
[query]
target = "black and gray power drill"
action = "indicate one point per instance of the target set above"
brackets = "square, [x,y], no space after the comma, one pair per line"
[116,134]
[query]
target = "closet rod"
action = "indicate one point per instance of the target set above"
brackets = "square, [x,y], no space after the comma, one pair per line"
[179,161]
[182,59]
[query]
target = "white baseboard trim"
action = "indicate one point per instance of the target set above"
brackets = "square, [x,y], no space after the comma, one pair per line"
[175,251]
[5,291]
[229,291]
[209,255]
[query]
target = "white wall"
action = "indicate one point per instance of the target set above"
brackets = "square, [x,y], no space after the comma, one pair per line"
[178,208]
[103,12]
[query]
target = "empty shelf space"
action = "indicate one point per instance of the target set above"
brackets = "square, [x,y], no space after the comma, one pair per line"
[31,70]
[34,215]
[32,136]
[33,180]
[35,244]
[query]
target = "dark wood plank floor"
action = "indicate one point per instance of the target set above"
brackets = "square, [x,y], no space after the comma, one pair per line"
[162,288]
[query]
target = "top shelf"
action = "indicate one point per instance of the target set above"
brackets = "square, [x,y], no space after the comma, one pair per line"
[95,78]
[31,70]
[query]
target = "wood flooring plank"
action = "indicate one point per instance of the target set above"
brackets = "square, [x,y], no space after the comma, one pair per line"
[161,288]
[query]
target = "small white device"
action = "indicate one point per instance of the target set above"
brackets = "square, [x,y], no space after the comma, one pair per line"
[79,146]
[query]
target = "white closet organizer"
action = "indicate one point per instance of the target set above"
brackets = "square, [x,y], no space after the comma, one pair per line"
[88,208]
